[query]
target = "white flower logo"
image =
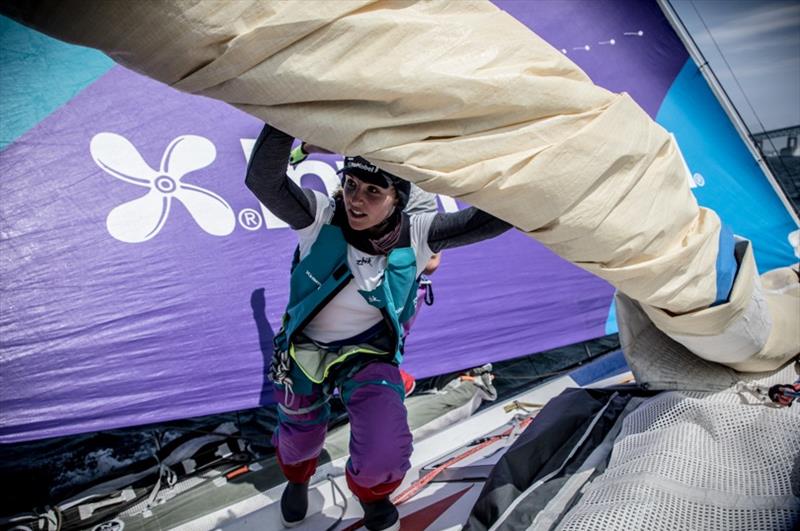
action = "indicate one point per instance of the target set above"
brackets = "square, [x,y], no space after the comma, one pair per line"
[141,219]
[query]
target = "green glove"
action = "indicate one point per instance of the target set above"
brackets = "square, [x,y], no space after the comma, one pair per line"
[298,155]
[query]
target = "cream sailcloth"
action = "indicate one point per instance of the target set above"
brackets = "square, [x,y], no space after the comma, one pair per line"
[463,100]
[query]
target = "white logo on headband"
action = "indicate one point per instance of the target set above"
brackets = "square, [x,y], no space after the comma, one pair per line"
[356,164]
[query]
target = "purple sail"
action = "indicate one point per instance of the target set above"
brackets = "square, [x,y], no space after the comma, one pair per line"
[142,282]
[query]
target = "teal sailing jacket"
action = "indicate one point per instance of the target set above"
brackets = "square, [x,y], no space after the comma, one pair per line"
[318,277]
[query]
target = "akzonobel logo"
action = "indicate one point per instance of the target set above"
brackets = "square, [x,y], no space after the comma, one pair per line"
[141,219]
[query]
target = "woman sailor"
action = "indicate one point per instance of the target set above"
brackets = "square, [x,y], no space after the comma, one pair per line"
[351,291]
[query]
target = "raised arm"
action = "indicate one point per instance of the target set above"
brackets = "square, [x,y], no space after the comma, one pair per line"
[466,226]
[267,179]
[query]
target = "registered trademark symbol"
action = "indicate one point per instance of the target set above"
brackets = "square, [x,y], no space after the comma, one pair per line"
[250,219]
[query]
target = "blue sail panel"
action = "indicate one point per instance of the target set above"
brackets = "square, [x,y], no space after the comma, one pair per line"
[725,176]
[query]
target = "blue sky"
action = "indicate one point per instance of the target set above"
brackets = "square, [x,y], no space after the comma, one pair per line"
[760,40]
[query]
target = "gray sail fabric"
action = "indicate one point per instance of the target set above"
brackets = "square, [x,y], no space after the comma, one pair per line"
[680,460]
[710,461]
[595,463]
[463,100]
[660,363]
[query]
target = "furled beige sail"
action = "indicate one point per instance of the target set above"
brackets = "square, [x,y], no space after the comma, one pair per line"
[463,100]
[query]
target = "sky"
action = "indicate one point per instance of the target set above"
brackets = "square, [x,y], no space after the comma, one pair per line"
[760,42]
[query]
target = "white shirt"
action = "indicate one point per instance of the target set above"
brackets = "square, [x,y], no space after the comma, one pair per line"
[348,314]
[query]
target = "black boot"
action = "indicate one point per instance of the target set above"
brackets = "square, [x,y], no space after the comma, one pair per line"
[381,515]
[294,504]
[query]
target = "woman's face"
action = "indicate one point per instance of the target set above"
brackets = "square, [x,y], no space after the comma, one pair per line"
[367,204]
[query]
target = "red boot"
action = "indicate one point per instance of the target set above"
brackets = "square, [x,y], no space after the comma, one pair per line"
[409,383]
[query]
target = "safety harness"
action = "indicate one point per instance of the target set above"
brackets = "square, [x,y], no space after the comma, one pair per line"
[315,281]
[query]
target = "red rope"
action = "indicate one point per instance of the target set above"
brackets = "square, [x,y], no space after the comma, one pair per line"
[419,484]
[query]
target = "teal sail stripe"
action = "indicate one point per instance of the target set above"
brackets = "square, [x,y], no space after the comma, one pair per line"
[728,179]
[39,75]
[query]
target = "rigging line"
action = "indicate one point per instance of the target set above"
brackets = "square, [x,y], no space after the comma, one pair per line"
[334,489]
[730,69]
[730,109]
[741,90]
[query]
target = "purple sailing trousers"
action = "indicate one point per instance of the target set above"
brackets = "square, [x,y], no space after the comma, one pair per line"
[380,440]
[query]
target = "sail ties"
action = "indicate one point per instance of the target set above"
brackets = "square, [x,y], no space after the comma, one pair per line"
[780,395]
[164,472]
[167,474]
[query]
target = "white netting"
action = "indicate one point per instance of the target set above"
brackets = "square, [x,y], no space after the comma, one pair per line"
[698,461]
